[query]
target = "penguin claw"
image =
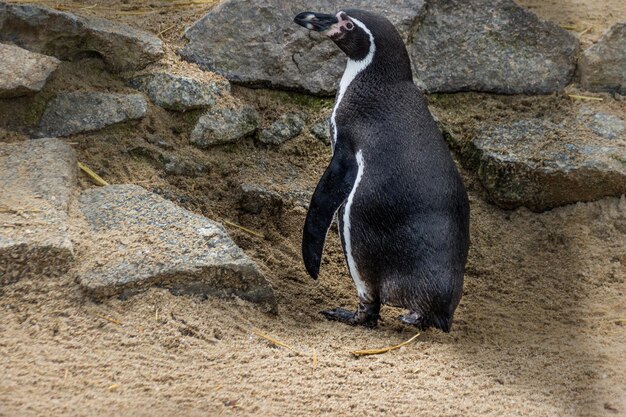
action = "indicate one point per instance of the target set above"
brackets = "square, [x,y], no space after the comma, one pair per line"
[339,314]
[360,318]
[413,319]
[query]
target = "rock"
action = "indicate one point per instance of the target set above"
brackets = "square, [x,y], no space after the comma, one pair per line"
[179,93]
[23,72]
[321,130]
[171,164]
[541,165]
[602,67]
[274,52]
[607,125]
[286,127]
[176,166]
[75,112]
[223,125]
[490,45]
[160,142]
[69,37]
[254,198]
[602,124]
[153,242]
[455,45]
[36,181]
[276,185]
[145,152]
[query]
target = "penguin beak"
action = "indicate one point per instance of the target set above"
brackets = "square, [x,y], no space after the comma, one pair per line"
[318,22]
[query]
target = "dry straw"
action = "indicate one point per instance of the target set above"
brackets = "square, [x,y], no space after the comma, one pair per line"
[96,178]
[245,229]
[589,98]
[275,342]
[109,319]
[366,352]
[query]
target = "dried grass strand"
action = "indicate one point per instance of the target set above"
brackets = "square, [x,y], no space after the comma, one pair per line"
[365,352]
[275,342]
[109,319]
[164,31]
[95,177]
[579,97]
[245,229]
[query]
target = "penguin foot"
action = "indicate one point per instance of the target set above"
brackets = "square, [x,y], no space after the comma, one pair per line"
[364,316]
[414,319]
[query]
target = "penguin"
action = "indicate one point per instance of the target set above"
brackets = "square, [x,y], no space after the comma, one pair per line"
[402,208]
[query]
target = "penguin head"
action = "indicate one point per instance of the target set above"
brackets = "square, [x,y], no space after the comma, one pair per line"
[345,28]
[359,33]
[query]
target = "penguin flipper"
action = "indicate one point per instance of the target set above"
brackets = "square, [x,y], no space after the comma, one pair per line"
[331,192]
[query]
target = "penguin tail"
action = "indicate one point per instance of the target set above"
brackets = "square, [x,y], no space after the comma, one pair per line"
[438,321]
[443,323]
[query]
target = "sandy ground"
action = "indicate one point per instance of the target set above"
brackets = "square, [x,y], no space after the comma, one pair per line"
[540,331]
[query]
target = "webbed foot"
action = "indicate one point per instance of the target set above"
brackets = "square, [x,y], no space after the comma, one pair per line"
[365,315]
[413,319]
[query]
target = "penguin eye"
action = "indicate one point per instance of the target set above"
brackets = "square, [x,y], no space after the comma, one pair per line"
[349,25]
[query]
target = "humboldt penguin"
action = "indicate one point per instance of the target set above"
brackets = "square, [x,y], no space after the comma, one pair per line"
[402,209]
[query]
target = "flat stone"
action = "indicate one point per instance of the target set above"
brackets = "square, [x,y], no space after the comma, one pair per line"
[75,112]
[272,51]
[602,66]
[71,37]
[160,142]
[223,125]
[539,164]
[602,124]
[151,241]
[179,93]
[23,72]
[321,130]
[254,199]
[276,185]
[174,165]
[490,45]
[36,181]
[284,128]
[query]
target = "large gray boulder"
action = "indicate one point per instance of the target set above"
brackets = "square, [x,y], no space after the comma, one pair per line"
[75,112]
[255,42]
[455,45]
[539,164]
[151,241]
[490,45]
[68,37]
[602,67]
[36,181]
[177,92]
[224,124]
[23,72]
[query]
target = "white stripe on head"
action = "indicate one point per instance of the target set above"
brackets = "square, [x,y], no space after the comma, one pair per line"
[353,68]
